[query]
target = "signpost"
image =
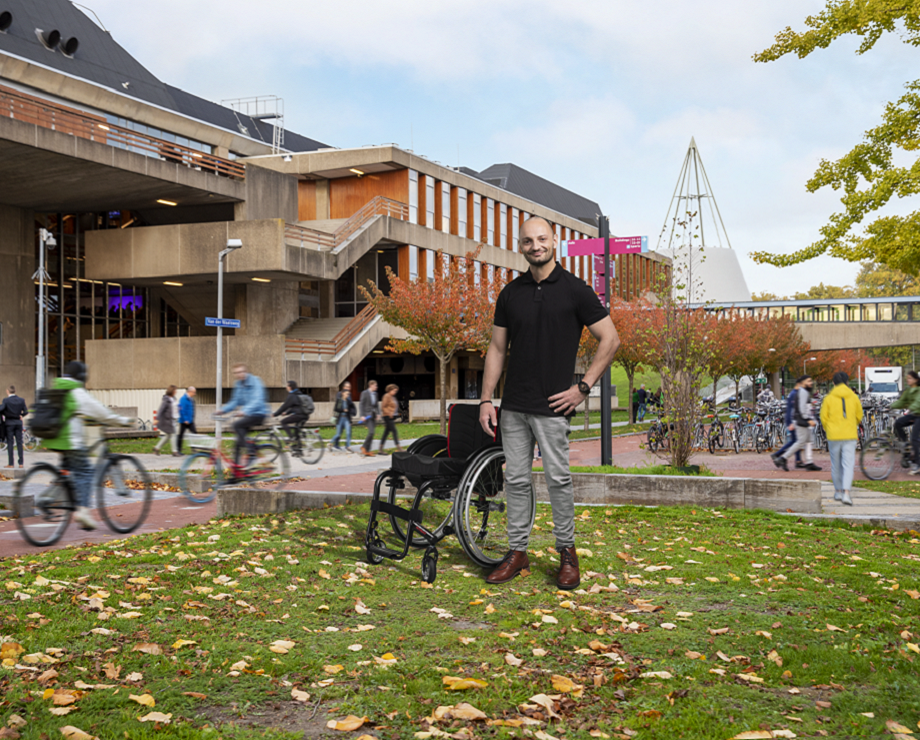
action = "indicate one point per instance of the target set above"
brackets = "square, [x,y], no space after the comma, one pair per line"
[220,322]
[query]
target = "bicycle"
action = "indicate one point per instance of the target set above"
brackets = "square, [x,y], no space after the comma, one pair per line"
[202,474]
[879,455]
[117,480]
[307,445]
[30,442]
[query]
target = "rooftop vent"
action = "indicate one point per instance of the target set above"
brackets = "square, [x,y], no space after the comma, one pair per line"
[6,20]
[69,47]
[49,39]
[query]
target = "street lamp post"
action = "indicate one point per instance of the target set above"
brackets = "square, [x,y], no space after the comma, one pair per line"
[232,244]
[805,362]
[45,239]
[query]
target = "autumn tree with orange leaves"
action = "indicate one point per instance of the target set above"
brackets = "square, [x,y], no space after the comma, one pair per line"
[450,313]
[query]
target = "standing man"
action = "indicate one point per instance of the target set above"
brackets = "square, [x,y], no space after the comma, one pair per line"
[13,409]
[540,314]
[187,414]
[643,400]
[249,397]
[841,413]
[369,411]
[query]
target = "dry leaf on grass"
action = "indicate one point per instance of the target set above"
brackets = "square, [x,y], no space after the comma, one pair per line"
[60,711]
[832,628]
[349,724]
[895,727]
[145,699]
[163,719]
[512,660]
[75,733]
[565,685]
[754,735]
[151,648]
[195,694]
[298,695]
[546,702]
[453,683]
[282,647]
[182,643]
[719,631]
[656,674]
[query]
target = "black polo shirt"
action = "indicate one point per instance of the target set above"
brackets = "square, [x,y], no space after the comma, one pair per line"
[544,322]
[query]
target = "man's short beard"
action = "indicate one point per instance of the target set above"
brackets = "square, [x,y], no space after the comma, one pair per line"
[536,262]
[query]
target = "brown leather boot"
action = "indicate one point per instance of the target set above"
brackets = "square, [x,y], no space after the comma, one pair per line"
[568,577]
[510,567]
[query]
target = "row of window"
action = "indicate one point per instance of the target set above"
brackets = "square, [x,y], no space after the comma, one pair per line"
[459,211]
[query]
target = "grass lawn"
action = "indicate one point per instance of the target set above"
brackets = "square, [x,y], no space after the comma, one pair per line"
[689,624]
[908,488]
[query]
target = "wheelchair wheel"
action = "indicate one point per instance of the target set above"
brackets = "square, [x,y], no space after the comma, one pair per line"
[481,515]
[436,509]
[430,565]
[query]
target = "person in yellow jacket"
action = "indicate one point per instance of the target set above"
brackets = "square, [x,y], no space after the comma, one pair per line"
[841,413]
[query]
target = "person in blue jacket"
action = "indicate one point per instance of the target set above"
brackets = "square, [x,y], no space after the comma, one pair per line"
[249,397]
[186,415]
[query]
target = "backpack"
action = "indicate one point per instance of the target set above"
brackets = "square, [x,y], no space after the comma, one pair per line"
[306,404]
[48,417]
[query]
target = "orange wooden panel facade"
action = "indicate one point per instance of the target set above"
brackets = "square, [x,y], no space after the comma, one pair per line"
[347,195]
[306,200]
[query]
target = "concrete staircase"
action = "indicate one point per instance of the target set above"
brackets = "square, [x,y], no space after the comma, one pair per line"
[323,330]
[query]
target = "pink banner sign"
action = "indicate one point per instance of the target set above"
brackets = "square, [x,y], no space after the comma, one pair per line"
[618,245]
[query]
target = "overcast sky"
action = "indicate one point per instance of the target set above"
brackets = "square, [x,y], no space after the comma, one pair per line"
[600,96]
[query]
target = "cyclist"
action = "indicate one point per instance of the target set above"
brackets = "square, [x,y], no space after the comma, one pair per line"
[910,400]
[249,397]
[71,443]
[298,407]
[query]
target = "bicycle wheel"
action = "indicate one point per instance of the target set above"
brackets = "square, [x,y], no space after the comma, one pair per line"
[312,447]
[29,442]
[436,507]
[651,437]
[42,505]
[139,424]
[200,476]
[123,493]
[877,458]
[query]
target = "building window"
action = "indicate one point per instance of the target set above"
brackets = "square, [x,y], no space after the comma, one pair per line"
[477,216]
[515,229]
[413,197]
[430,256]
[429,202]
[461,212]
[502,225]
[490,221]
[445,207]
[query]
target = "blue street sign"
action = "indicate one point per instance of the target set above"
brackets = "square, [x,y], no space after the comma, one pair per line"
[225,323]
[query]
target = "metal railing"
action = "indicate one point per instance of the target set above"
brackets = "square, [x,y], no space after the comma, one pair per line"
[340,341]
[56,117]
[377,206]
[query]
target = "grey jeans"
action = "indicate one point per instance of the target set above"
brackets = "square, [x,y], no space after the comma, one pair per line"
[519,432]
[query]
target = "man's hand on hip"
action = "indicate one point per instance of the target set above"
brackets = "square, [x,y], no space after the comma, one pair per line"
[488,418]
[567,401]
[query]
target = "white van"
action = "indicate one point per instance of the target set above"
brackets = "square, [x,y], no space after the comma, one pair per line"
[886,382]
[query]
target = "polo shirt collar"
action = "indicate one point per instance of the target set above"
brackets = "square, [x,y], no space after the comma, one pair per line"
[551,278]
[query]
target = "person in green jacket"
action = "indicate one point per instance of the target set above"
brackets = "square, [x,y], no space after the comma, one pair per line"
[910,400]
[71,441]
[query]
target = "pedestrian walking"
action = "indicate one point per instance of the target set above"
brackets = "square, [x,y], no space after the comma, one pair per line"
[643,402]
[186,415]
[71,442]
[804,420]
[841,413]
[343,411]
[634,416]
[389,409]
[369,411]
[790,429]
[13,410]
[910,400]
[167,415]
[541,314]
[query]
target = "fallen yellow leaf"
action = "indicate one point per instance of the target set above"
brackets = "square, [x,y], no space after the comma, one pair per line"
[453,683]
[349,724]
[145,699]
[163,719]
[298,695]
[75,733]
[182,643]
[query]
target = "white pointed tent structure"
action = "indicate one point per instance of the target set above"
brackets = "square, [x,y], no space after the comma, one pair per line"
[695,238]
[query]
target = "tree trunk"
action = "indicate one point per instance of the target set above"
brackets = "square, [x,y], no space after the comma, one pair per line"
[632,410]
[444,394]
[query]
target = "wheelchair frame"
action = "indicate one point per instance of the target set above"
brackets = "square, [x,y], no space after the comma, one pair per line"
[473,496]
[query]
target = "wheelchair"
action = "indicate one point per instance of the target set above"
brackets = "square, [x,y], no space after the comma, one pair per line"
[459,489]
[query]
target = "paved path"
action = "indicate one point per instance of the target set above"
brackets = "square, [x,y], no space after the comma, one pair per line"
[351,473]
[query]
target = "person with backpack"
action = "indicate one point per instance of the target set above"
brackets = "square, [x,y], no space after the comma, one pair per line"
[13,409]
[70,404]
[343,411]
[841,413]
[298,407]
[167,415]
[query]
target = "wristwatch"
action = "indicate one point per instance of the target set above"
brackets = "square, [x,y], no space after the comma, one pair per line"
[584,387]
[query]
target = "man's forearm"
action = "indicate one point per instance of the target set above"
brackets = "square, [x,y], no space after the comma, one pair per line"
[495,361]
[602,359]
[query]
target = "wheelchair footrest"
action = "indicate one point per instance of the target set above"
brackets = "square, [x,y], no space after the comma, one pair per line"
[385,552]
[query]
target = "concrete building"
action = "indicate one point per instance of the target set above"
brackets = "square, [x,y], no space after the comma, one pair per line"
[141,184]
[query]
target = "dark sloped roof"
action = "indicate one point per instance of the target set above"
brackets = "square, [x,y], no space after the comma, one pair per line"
[99,59]
[517,180]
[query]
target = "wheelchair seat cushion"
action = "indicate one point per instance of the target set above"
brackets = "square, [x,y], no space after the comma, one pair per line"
[423,467]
